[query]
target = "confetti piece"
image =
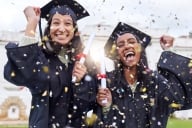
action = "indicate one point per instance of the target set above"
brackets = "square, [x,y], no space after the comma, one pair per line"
[45,69]
[91,119]
[175,105]
[13,74]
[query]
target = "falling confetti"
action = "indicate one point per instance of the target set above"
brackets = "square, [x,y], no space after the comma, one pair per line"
[175,105]
[45,69]
[45,93]
[122,7]
[90,120]
[190,64]
[13,74]
[143,89]
[66,89]
[113,49]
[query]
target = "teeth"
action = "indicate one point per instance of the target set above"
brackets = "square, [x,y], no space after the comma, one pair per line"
[129,54]
[60,35]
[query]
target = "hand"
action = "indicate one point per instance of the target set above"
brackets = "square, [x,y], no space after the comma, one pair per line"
[79,71]
[32,15]
[103,94]
[166,42]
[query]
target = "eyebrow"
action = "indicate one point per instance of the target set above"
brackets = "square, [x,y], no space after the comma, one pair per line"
[132,38]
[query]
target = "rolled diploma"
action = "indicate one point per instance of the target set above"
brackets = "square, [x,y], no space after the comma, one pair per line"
[85,52]
[103,79]
[103,73]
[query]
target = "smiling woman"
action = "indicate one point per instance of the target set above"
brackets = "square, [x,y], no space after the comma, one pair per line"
[56,101]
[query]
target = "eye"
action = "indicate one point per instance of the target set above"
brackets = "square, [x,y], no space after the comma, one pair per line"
[68,23]
[132,41]
[120,44]
[55,22]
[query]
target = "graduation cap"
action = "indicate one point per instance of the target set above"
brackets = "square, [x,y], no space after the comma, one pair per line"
[64,7]
[121,29]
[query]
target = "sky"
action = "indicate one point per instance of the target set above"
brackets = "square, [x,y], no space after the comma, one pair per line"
[174,16]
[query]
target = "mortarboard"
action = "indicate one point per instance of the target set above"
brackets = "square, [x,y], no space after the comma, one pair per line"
[121,29]
[70,7]
[65,7]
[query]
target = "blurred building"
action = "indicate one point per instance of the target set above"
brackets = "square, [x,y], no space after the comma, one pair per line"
[14,101]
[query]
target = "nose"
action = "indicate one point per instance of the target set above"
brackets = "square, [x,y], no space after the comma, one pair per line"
[61,28]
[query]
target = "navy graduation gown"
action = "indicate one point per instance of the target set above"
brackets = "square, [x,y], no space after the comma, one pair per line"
[56,102]
[150,105]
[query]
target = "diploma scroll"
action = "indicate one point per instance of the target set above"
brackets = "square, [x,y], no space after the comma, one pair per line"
[85,52]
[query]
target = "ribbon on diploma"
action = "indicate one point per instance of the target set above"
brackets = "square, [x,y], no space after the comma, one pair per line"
[80,55]
[101,76]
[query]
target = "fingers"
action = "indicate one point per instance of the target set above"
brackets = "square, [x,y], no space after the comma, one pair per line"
[37,11]
[79,71]
[32,13]
[167,39]
[102,95]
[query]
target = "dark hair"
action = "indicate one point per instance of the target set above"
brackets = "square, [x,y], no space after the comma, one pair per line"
[75,46]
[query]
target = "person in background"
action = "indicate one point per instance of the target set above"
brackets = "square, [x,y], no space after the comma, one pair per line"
[138,97]
[47,67]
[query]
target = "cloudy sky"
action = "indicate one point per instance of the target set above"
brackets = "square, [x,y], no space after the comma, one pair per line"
[172,15]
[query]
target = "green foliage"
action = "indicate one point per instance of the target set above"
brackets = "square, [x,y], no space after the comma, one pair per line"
[178,123]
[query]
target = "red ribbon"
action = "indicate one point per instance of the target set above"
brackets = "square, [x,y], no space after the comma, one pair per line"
[80,55]
[100,76]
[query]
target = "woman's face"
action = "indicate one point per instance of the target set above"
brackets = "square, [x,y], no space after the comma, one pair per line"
[129,49]
[62,29]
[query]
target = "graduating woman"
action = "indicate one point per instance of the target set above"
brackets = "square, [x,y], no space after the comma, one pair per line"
[138,97]
[47,67]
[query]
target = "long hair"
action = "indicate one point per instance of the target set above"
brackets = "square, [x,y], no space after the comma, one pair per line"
[74,47]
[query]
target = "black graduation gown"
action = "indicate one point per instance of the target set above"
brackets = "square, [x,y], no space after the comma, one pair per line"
[150,105]
[56,102]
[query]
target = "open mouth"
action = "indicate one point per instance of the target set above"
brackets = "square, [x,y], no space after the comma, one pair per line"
[129,55]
